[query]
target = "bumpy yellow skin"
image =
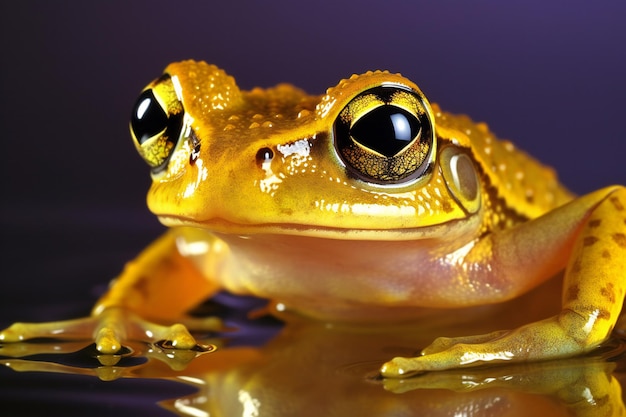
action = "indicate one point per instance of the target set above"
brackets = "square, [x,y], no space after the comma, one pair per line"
[483,224]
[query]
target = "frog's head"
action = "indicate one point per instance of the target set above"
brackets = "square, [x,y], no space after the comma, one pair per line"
[363,160]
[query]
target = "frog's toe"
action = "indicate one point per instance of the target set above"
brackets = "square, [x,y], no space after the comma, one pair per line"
[444,343]
[13,333]
[178,337]
[107,341]
[70,329]
[400,367]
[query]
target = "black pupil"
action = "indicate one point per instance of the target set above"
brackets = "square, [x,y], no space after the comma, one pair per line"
[148,118]
[387,129]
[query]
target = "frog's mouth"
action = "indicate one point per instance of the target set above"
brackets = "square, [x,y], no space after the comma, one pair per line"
[450,229]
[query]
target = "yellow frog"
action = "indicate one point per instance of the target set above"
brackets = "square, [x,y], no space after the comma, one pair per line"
[366,204]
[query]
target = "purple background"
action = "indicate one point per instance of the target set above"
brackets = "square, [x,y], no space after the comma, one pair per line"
[549,75]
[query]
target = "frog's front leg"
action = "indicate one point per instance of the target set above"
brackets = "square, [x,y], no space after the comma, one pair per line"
[161,284]
[587,238]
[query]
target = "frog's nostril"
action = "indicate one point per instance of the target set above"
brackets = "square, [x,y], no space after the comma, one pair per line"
[264,156]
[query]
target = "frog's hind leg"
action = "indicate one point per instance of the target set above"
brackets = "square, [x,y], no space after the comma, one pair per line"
[587,238]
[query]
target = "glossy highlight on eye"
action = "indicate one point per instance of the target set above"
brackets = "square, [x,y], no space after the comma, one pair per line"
[385,136]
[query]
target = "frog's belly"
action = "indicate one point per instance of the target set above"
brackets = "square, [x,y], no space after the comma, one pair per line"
[343,279]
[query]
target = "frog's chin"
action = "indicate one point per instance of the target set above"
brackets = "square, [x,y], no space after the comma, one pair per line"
[447,230]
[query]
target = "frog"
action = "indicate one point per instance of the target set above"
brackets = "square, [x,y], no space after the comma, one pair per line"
[367,204]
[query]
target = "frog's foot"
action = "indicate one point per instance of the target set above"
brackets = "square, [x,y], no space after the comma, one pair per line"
[548,339]
[109,329]
[116,325]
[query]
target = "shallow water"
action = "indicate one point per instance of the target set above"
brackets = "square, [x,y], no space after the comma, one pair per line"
[267,368]
[263,367]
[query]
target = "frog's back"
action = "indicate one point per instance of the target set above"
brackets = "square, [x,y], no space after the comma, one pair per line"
[520,182]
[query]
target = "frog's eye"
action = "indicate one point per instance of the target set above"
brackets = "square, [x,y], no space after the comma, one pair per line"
[156,122]
[384,135]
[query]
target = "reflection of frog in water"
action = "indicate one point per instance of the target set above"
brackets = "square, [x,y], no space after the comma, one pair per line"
[312,369]
[294,376]
[365,204]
